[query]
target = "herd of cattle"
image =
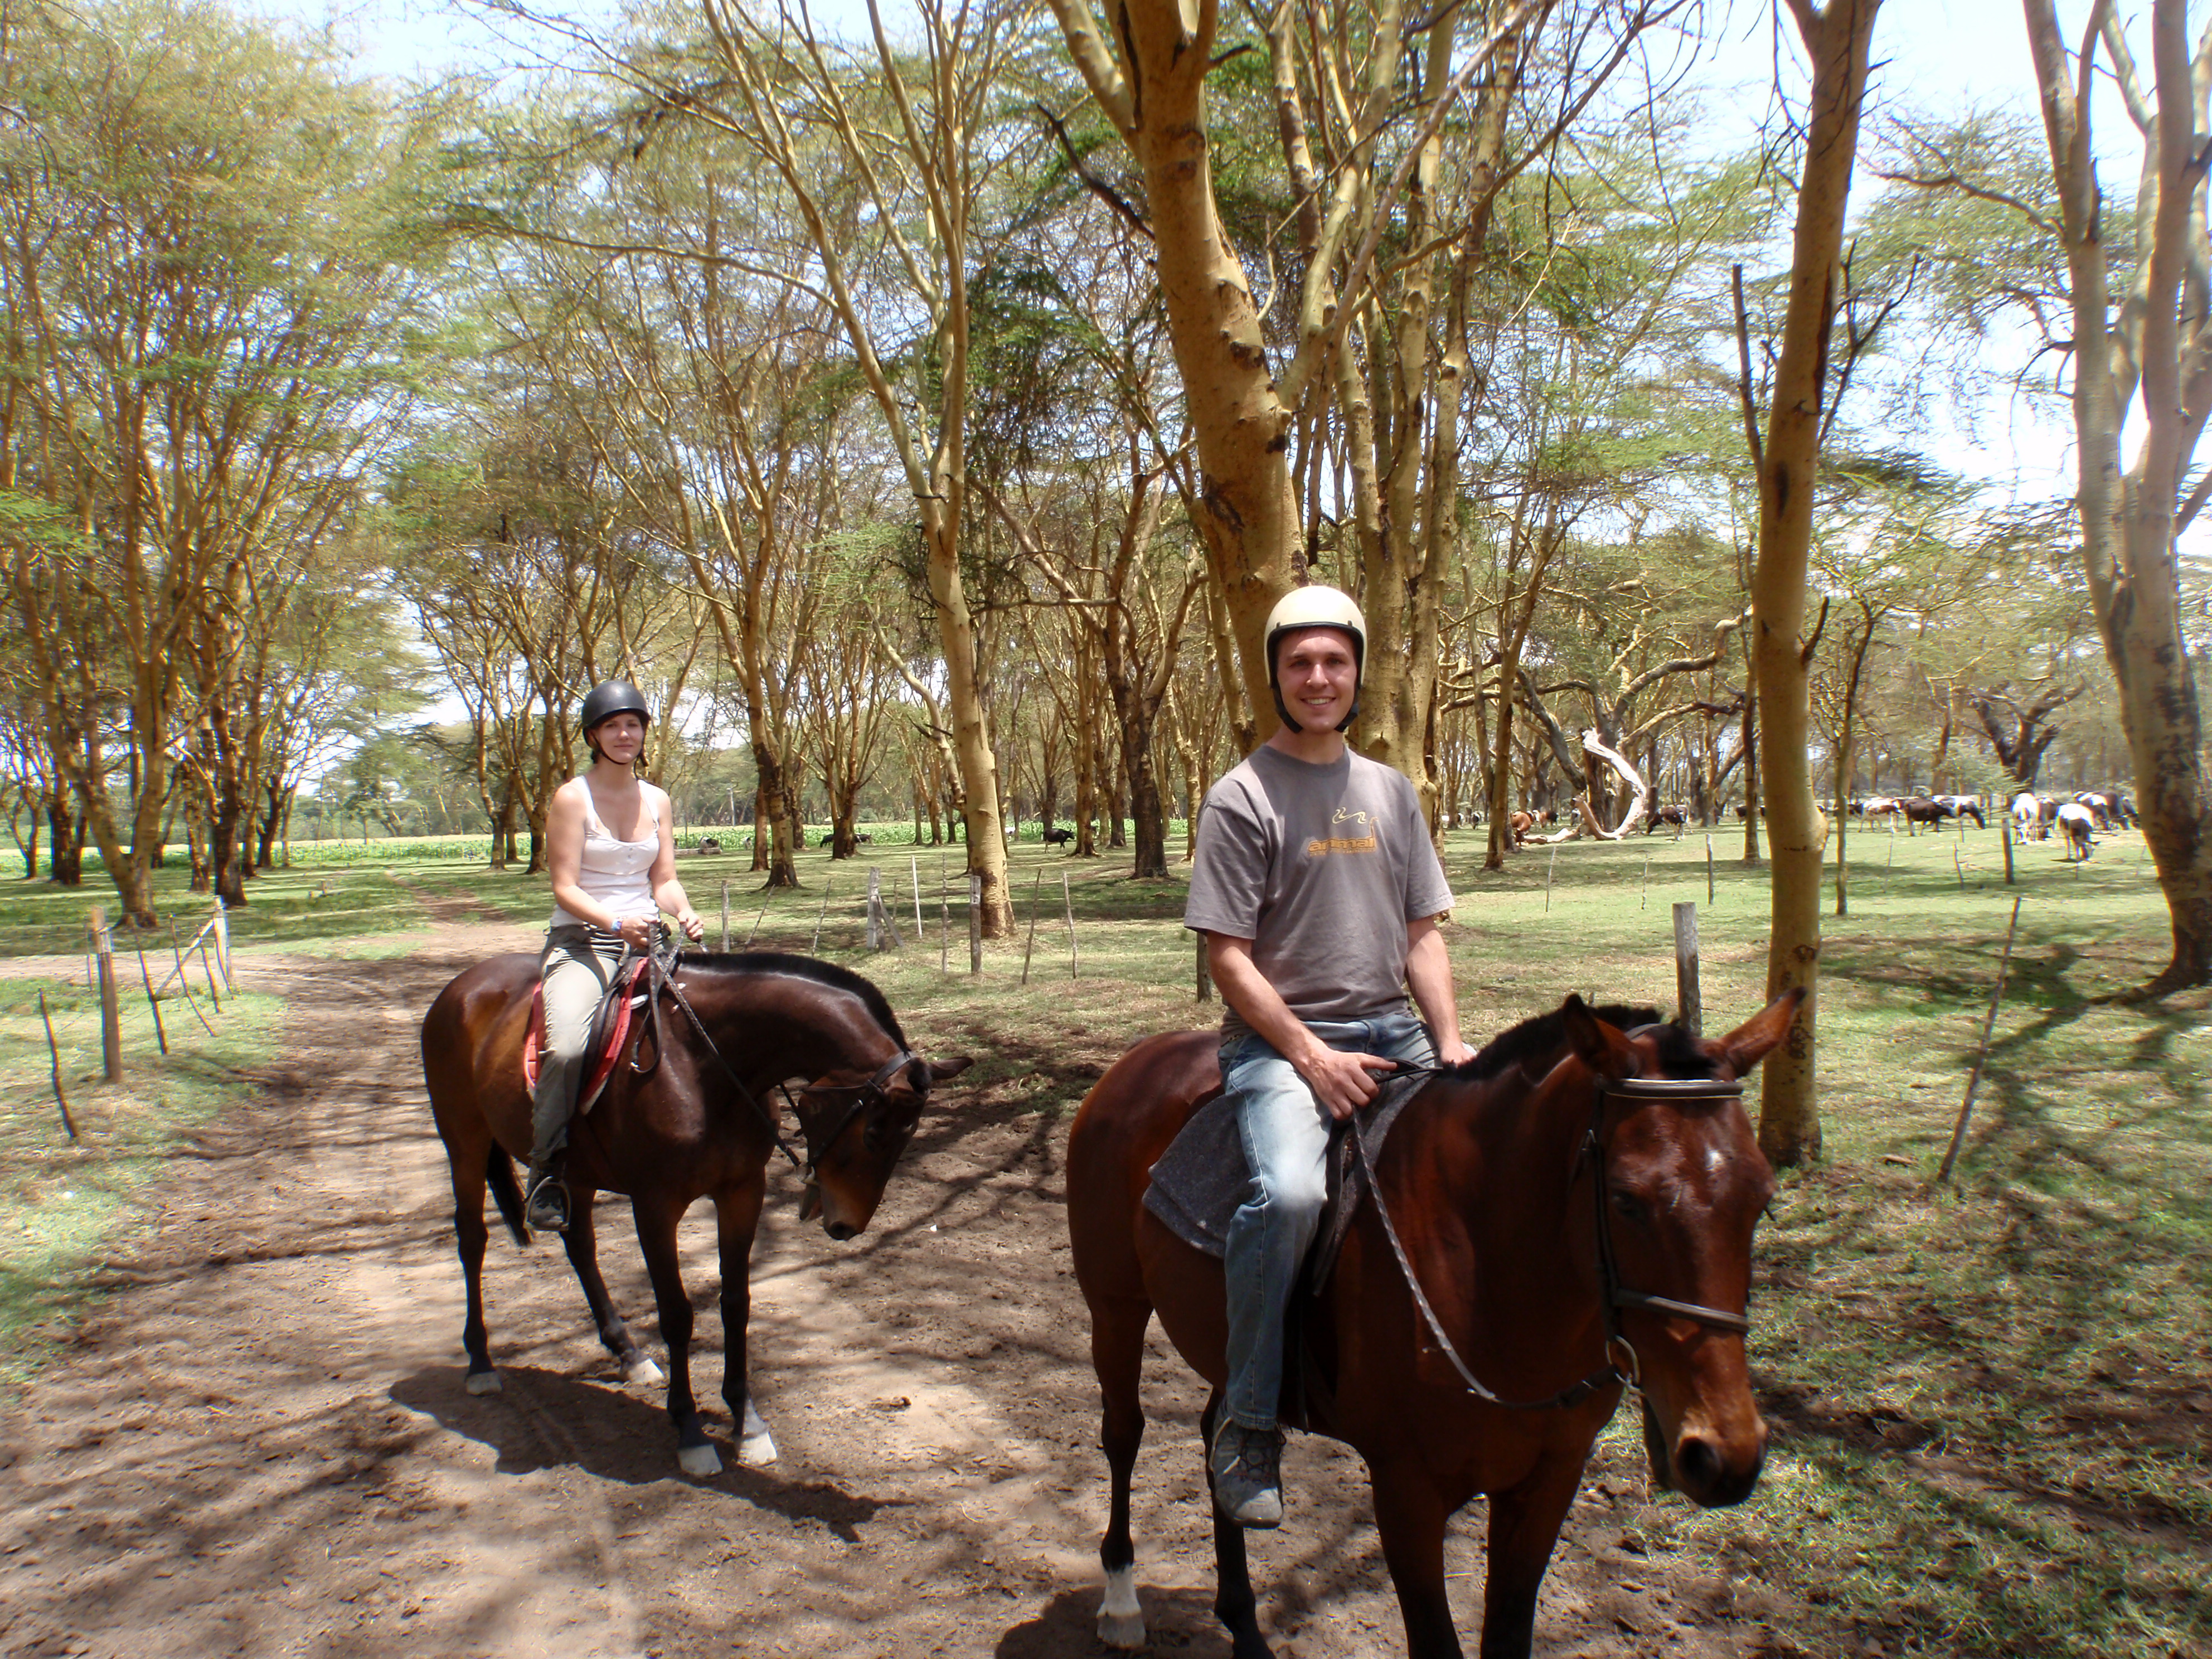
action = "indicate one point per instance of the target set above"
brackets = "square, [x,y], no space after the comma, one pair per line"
[2077,818]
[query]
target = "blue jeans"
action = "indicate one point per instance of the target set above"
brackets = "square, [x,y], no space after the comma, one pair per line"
[1286,1134]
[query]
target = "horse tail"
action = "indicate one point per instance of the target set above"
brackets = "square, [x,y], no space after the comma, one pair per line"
[499,1174]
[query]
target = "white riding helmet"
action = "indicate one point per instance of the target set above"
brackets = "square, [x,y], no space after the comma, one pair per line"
[1317,607]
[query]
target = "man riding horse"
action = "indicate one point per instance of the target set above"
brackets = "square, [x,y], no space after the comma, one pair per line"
[1317,888]
[612,857]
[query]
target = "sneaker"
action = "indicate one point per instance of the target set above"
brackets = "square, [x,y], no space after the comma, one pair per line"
[548,1207]
[1246,1465]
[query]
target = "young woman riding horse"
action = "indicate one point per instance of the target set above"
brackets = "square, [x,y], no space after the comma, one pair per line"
[1570,1212]
[611,854]
[691,1110]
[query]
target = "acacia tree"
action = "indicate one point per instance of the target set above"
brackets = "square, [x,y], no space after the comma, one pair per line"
[1394,138]
[1787,462]
[200,297]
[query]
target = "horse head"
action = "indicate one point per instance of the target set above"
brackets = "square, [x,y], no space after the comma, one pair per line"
[856,1125]
[1683,1187]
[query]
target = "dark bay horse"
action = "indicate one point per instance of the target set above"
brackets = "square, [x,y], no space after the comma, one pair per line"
[691,1127]
[1575,1223]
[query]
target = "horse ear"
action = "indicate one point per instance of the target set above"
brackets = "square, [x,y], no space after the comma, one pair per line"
[941,1069]
[1762,1033]
[1598,1046]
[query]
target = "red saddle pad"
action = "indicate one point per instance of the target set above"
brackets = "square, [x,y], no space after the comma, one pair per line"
[610,1033]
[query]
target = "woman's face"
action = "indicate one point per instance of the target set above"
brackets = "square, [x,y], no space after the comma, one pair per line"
[620,737]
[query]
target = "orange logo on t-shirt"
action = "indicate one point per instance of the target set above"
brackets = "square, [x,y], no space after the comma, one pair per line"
[1320,845]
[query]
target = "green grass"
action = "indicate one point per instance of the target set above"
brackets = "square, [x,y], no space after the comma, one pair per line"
[65,1203]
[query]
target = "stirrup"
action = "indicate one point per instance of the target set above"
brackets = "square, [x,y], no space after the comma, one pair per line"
[546,1208]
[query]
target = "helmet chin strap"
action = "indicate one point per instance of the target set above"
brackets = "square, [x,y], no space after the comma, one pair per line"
[1282,710]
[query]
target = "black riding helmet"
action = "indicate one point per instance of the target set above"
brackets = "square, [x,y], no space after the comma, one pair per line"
[609,698]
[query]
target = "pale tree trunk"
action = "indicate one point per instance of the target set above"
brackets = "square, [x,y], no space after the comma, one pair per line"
[2158,346]
[1151,83]
[1837,39]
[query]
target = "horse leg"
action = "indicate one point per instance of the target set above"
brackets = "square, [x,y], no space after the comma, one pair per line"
[656,1237]
[582,1243]
[468,1165]
[1410,1515]
[737,1217]
[1117,1354]
[1524,1525]
[1234,1604]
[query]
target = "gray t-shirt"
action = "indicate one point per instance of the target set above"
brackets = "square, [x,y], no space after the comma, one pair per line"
[1320,867]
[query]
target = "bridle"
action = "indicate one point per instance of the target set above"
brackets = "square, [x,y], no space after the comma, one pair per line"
[661,975]
[1622,1365]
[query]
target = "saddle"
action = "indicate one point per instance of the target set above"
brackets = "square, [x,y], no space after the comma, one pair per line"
[1202,1179]
[610,1037]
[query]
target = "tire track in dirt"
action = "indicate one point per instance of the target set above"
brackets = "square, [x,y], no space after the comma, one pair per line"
[262,1444]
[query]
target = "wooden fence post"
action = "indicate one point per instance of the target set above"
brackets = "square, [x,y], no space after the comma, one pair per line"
[111,1014]
[1036,891]
[1205,970]
[1069,903]
[1688,996]
[725,918]
[223,946]
[975,922]
[815,948]
[54,1051]
[146,977]
[921,938]
[2007,831]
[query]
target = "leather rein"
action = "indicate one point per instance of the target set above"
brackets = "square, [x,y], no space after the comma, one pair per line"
[660,974]
[1622,1365]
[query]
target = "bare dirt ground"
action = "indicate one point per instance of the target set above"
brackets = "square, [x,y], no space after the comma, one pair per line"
[262,1445]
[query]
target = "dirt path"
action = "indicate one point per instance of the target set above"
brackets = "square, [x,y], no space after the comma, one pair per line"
[262,1445]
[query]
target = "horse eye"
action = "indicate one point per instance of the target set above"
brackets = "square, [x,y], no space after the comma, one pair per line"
[1630,1207]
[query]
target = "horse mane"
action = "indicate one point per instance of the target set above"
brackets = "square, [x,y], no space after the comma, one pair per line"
[811,968]
[1542,1036]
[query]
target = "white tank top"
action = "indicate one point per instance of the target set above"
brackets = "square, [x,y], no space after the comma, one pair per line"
[615,872]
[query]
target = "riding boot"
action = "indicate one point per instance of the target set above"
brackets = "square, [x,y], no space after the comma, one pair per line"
[545,1204]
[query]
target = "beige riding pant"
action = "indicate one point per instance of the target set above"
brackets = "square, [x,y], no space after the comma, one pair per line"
[578,966]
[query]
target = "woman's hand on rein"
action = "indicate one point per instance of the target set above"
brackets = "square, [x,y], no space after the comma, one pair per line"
[637,932]
[694,928]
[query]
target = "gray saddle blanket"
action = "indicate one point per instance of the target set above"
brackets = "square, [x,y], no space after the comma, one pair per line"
[1202,1179]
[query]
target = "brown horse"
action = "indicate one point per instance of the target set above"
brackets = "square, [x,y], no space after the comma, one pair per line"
[1571,1228]
[732,1033]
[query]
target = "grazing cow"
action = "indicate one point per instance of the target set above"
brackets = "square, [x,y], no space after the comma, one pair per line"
[2031,818]
[1521,824]
[1057,837]
[1883,806]
[1677,816]
[708,847]
[1965,806]
[2076,822]
[1923,809]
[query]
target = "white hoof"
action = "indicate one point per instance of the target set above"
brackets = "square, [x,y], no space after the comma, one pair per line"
[644,1374]
[755,1449]
[1121,1619]
[484,1382]
[698,1462]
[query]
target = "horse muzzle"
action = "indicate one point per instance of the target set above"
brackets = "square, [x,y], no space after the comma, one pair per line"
[1712,1470]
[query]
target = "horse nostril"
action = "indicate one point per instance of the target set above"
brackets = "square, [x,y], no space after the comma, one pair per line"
[1706,1477]
[1696,1463]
